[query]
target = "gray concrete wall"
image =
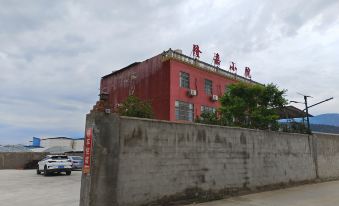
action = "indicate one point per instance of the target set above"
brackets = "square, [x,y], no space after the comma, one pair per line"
[138,162]
[327,155]
[99,187]
[18,160]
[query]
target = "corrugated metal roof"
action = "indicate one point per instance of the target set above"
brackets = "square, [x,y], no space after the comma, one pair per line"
[57,138]
[289,112]
[120,70]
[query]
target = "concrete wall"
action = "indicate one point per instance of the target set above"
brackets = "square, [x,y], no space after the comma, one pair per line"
[138,162]
[327,155]
[19,160]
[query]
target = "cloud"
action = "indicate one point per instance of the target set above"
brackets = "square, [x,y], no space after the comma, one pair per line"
[53,54]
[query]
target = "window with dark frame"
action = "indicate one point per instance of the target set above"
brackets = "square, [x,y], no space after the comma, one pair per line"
[208,86]
[184,111]
[207,109]
[184,80]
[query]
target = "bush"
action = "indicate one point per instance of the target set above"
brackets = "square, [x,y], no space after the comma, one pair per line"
[252,106]
[135,107]
[208,118]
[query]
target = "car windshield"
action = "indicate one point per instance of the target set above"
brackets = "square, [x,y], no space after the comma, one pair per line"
[58,157]
[77,158]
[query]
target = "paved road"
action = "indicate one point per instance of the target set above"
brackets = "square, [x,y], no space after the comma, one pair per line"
[26,188]
[321,194]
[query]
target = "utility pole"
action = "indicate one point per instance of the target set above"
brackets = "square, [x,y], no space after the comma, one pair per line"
[307,107]
[307,116]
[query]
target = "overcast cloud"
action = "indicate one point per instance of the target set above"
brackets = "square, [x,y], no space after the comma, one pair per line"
[53,53]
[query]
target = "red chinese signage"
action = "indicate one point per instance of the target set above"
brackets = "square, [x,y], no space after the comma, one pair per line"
[233,68]
[216,59]
[248,72]
[87,151]
[196,51]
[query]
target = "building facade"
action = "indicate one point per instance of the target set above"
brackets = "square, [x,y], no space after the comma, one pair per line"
[42,144]
[178,87]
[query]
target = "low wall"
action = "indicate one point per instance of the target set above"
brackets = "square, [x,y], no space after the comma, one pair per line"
[327,155]
[140,162]
[19,160]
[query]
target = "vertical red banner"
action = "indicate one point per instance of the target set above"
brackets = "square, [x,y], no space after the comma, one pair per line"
[87,151]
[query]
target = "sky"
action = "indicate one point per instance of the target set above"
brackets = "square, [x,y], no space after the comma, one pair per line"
[53,53]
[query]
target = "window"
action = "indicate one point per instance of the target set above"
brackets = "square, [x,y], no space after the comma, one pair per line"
[208,87]
[184,111]
[184,80]
[76,158]
[59,157]
[207,109]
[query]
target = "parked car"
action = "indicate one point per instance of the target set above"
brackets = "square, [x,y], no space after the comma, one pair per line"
[54,163]
[77,162]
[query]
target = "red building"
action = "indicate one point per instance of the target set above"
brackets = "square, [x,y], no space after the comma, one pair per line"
[178,87]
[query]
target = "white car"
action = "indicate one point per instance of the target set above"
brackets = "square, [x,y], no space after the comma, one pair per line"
[54,163]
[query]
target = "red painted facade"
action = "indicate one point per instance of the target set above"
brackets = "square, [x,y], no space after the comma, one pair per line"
[197,82]
[158,80]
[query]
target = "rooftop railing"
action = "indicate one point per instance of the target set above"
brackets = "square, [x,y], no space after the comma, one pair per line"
[170,54]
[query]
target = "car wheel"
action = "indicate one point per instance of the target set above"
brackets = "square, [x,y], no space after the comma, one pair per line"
[45,171]
[68,172]
[38,172]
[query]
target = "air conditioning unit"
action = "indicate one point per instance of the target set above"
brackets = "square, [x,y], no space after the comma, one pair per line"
[192,92]
[214,97]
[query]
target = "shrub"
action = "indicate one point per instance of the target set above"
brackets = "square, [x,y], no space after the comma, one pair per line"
[135,107]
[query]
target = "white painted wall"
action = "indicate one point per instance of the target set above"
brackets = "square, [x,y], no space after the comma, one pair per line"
[47,143]
[76,144]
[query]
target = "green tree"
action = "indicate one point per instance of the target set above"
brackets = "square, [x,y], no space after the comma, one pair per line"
[135,107]
[208,118]
[251,105]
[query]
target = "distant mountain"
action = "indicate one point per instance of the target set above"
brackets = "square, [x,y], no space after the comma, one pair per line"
[324,128]
[326,123]
[326,119]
